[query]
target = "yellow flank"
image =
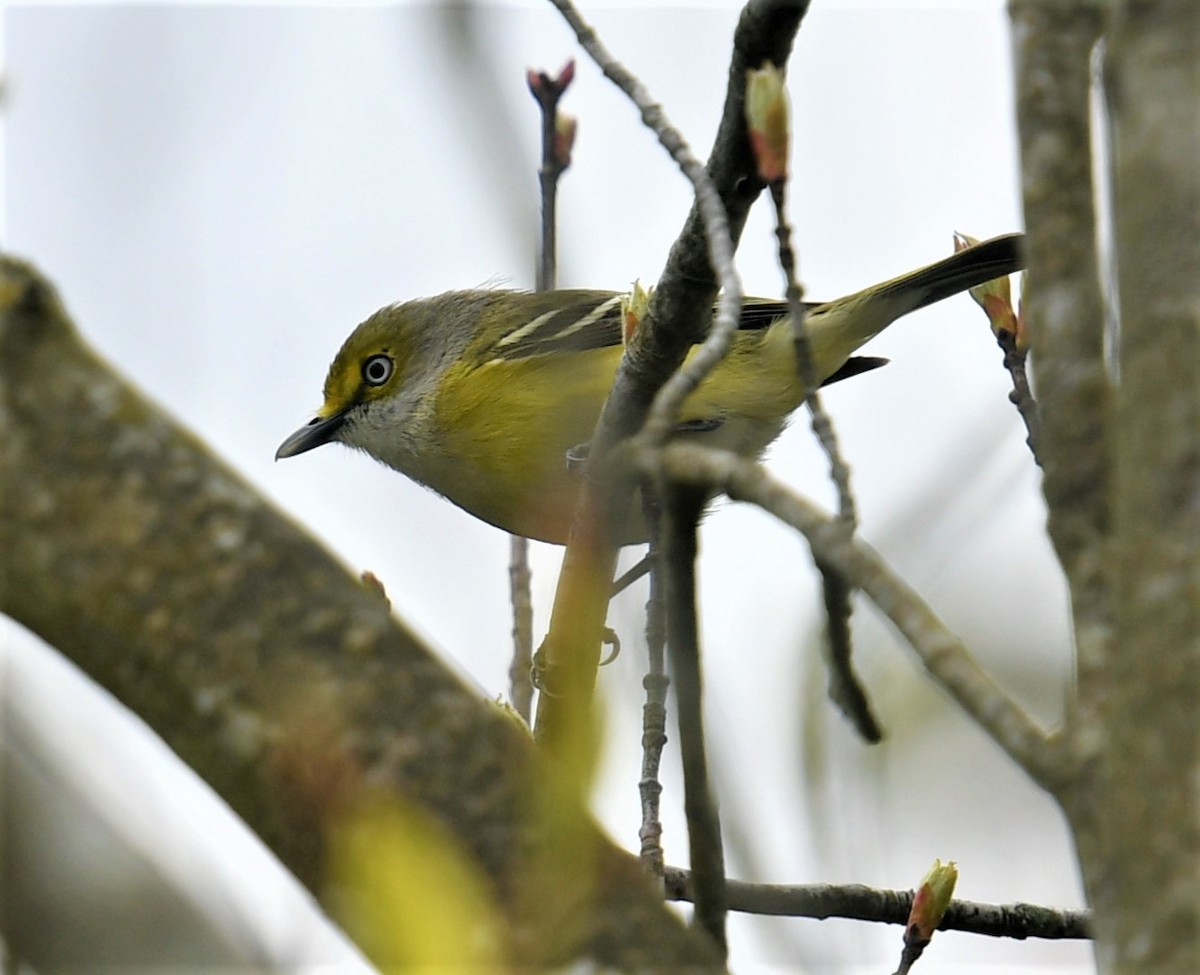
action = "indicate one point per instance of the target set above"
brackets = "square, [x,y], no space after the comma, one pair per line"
[503,438]
[757,380]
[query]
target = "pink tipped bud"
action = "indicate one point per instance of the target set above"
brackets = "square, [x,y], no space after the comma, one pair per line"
[995,298]
[544,87]
[963,241]
[767,120]
[931,900]
[633,310]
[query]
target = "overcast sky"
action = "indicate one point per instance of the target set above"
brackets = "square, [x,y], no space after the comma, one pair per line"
[222,193]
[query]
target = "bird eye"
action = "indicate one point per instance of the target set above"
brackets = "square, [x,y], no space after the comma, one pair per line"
[377,370]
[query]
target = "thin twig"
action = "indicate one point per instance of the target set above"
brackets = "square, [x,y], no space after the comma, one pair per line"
[654,739]
[520,670]
[910,954]
[680,514]
[547,92]
[654,713]
[861,903]
[845,689]
[822,426]
[556,157]
[1021,396]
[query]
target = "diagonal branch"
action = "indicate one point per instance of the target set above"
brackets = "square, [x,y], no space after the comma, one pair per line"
[945,657]
[274,673]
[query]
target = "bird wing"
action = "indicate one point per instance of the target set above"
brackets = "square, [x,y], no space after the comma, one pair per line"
[564,321]
[577,320]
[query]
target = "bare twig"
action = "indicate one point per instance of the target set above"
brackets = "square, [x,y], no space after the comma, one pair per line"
[822,426]
[558,132]
[913,949]
[845,689]
[680,514]
[654,739]
[555,159]
[654,711]
[861,903]
[1021,395]
[770,130]
[520,670]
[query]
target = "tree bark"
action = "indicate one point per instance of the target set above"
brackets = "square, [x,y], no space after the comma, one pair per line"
[1136,806]
[1122,422]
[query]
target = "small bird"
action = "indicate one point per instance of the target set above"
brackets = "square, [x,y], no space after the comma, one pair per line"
[481,395]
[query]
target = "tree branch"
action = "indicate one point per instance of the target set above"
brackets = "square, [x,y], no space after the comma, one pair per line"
[680,515]
[943,654]
[1136,811]
[861,903]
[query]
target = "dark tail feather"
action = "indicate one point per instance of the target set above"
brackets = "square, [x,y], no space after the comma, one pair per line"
[855,366]
[982,262]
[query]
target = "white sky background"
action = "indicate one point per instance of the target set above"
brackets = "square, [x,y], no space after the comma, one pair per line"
[222,193]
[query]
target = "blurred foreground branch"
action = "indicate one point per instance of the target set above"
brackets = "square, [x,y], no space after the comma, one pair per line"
[270,670]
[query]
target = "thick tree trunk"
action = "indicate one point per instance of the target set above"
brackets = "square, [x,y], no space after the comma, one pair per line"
[1137,809]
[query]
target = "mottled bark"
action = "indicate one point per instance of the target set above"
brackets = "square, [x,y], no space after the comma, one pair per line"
[1122,450]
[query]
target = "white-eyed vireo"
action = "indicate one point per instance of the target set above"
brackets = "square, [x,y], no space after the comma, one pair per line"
[480,395]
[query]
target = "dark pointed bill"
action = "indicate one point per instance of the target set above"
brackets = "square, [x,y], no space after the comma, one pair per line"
[314,434]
